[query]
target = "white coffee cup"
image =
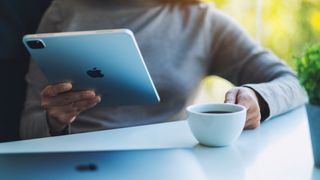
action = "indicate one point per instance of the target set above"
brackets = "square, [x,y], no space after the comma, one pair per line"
[221,127]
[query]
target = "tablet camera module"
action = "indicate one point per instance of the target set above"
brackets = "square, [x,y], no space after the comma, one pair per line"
[36,44]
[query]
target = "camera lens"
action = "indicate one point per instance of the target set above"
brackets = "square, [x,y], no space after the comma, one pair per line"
[35,44]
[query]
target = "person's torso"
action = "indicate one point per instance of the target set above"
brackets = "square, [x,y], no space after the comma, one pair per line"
[174,42]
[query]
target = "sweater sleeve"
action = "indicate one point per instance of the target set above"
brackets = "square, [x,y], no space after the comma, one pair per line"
[33,122]
[237,58]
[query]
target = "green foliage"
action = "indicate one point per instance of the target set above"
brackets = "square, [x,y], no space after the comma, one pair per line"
[308,67]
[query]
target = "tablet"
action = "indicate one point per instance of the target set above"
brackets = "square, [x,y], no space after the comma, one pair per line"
[106,61]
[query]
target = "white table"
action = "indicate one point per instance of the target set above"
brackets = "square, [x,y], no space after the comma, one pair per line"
[279,149]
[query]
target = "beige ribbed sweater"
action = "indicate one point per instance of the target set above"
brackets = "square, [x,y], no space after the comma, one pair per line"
[181,45]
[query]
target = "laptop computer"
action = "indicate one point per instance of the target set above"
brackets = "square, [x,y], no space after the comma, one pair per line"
[150,164]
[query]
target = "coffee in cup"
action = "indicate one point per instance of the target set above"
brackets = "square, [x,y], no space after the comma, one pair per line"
[216,124]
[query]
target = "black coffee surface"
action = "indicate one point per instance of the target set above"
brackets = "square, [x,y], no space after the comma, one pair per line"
[217,112]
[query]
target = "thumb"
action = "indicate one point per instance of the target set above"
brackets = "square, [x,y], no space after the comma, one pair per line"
[231,96]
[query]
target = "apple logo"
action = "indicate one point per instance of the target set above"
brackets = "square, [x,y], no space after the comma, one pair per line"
[95,73]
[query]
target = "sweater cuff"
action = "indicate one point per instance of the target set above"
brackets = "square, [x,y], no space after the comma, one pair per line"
[42,126]
[264,98]
[65,131]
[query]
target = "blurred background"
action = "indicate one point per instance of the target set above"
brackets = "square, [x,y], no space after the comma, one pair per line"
[283,26]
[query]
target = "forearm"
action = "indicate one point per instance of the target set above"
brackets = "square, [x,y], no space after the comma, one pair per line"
[281,94]
[245,63]
[34,124]
[34,121]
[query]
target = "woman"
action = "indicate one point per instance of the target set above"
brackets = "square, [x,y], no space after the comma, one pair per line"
[182,42]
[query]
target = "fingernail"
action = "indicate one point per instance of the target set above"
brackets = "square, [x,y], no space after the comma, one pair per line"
[99,99]
[72,119]
[91,93]
[68,85]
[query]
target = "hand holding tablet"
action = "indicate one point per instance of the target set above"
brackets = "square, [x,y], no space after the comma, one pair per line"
[106,61]
[63,105]
[89,68]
